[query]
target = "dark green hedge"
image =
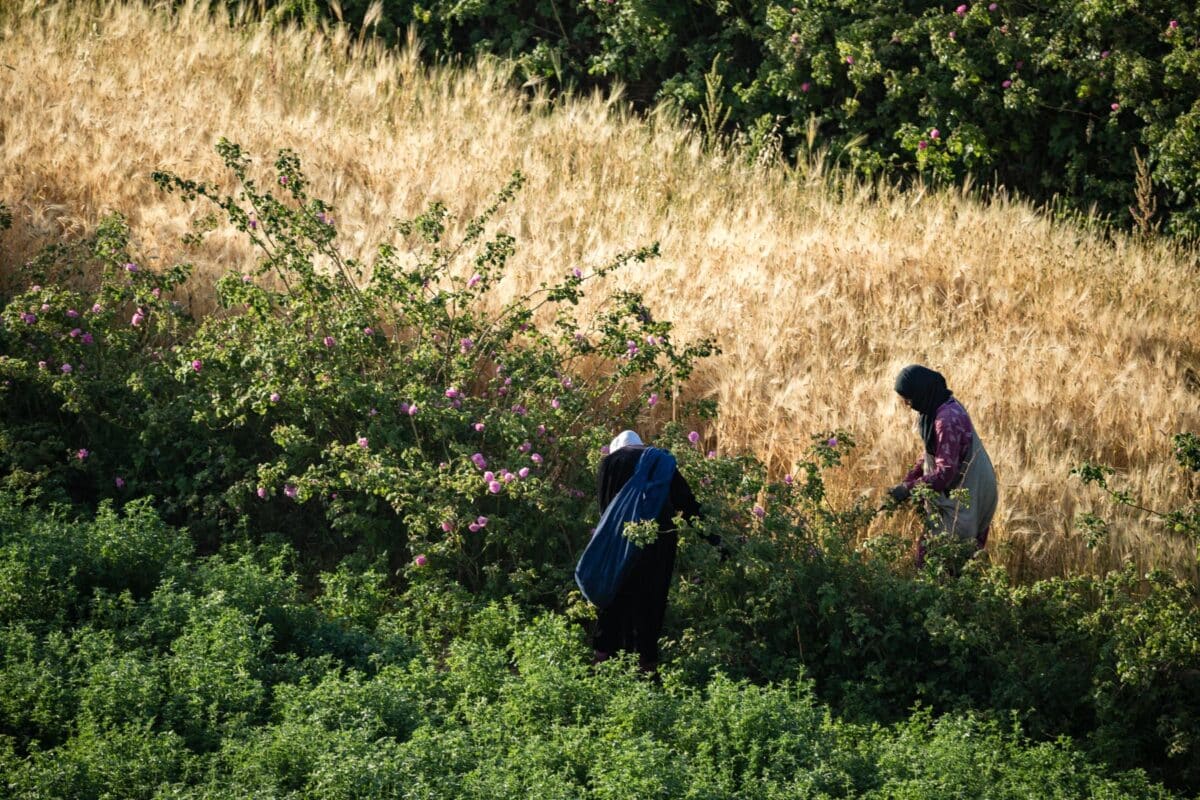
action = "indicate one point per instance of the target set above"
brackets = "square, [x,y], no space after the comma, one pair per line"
[1048,99]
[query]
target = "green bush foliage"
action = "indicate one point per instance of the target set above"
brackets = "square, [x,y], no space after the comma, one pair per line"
[320,544]
[1049,99]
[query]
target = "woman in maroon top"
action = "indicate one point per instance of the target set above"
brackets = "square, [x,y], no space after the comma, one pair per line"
[954,458]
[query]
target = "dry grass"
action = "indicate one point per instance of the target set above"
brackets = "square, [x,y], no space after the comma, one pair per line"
[1063,346]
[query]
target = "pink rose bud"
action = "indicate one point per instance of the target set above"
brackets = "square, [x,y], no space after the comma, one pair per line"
[447,526]
[479,426]
[421,560]
[788,479]
[451,393]
[653,401]
[523,472]
[1115,106]
[119,482]
[328,341]
[262,493]
[535,458]
[274,397]
[934,133]
[474,280]
[804,87]
[82,453]
[1006,83]
[921,145]
[197,365]
[131,267]
[555,403]
[850,60]
[412,410]
[72,313]
[368,331]
[961,11]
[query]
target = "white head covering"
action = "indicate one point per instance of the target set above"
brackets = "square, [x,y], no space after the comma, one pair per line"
[624,439]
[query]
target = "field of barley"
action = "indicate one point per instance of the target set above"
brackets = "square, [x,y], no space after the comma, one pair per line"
[1063,344]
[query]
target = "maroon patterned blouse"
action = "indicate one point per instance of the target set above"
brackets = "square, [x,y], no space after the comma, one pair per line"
[953,430]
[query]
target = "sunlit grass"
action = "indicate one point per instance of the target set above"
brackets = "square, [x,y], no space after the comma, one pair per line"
[1062,344]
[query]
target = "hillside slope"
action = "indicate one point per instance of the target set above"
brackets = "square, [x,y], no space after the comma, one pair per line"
[1064,346]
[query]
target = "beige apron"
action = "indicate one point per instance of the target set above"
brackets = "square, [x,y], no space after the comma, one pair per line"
[968,520]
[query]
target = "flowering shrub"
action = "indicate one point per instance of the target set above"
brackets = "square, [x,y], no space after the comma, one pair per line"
[1049,99]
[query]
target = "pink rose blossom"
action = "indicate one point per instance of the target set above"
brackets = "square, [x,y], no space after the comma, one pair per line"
[473,527]
[489,476]
[832,442]
[934,133]
[262,493]
[82,454]
[850,60]
[478,460]
[447,525]
[363,442]
[1006,83]
[368,331]
[921,145]
[96,308]
[412,410]
[494,487]
[474,280]
[788,479]
[535,458]
[653,401]
[760,512]
[1115,106]
[86,338]
[523,472]
[451,393]
[804,87]
[74,334]
[481,521]
[137,318]
[328,341]
[72,313]
[555,403]
[421,560]
[694,437]
[131,267]
[478,426]
[961,11]
[274,398]
[119,482]
[197,365]
[66,369]
[291,491]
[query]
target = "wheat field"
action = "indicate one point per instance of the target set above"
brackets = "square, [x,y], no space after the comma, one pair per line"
[1064,345]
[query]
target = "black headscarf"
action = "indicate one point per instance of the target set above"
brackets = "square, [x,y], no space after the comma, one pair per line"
[926,390]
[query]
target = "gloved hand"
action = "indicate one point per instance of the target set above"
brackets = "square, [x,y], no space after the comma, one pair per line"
[900,493]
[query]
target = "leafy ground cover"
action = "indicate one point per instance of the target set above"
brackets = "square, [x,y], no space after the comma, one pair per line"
[319,543]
